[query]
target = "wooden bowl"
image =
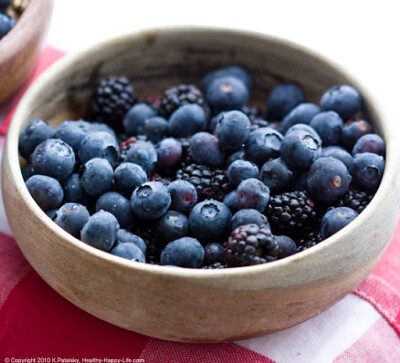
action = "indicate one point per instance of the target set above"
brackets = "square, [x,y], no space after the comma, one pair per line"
[194,305]
[21,46]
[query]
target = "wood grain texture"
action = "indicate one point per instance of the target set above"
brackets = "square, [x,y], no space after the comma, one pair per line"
[19,49]
[187,304]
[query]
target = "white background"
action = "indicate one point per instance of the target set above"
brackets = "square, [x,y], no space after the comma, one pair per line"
[362,36]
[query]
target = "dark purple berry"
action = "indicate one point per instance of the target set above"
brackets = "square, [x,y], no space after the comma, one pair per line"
[183,195]
[370,143]
[253,194]
[282,99]
[343,99]
[328,180]
[368,170]
[183,252]
[286,246]
[336,219]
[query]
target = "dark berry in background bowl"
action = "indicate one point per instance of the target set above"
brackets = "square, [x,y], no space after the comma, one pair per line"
[104,273]
[21,34]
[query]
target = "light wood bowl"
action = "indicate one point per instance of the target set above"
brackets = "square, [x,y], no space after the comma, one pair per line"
[19,49]
[193,305]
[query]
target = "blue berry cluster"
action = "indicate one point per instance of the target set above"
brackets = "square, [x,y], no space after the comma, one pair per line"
[200,178]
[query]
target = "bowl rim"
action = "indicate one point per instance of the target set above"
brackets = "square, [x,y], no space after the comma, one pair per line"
[11,150]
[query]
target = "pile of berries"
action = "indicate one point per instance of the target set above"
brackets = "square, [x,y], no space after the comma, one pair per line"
[10,11]
[200,178]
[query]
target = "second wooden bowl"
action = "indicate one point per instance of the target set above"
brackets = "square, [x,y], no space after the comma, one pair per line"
[19,49]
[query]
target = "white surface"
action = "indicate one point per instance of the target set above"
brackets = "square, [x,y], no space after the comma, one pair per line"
[321,339]
[361,35]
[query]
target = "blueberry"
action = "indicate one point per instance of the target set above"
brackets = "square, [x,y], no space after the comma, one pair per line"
[73,190]
[328,180]
[125,236]
[343,99]
[144,154]
[46,191]
[187,120]
[227,93]
[100,230]
[305,128]
[27,171]
[371,143]
[171,226]
[301,114]
[134,119]
[240,170]
[286,246]
[300,149]
[183,195]
[6,24]
[210,220]
[155,128]
[231,200]
[341,154]
[97,177]
[150,200]
[353,130]
[183,252]
[214,253]
[32,135]
[282,99]
[53,157]
[119,206]
[276,175]
[253,194]
[233,130]
[169,153]
[233,71]
[329,125]
[248,216]
[262,144]
[130,251]
[72,132]
[98,144]
[336,219]
[368,170]
[127,177]
[72,217]
[205,149]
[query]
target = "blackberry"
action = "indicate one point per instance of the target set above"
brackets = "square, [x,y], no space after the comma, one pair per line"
[210,183]
[160,178]
[250,245]
[308,240]
[292,213]
[355,199]
[177,96]
[111,100]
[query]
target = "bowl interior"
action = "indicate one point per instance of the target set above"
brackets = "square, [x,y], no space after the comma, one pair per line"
[155,60]
[291,290]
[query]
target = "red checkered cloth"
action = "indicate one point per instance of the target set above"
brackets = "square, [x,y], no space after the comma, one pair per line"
[36,322]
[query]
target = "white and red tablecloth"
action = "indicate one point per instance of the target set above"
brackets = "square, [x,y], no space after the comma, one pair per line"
[37,323]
